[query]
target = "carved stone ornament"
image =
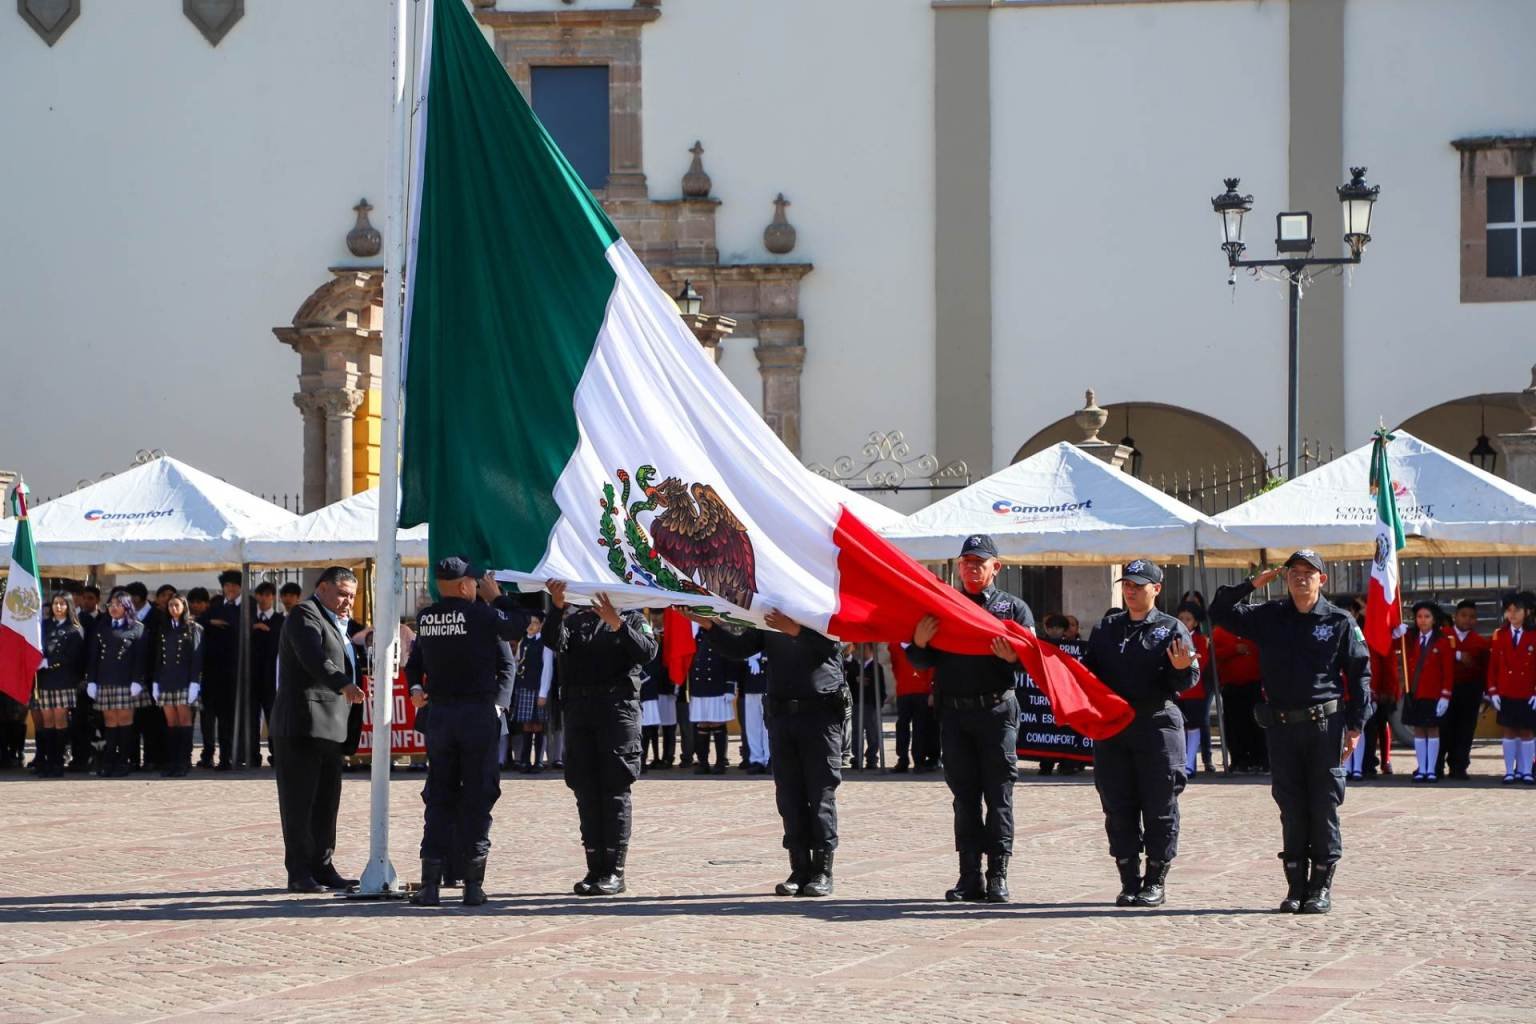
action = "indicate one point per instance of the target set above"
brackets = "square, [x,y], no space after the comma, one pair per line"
[1090,419]
[779,237]
[364,239]
[1527,400]
[213,18]
[696,183]
[49,18]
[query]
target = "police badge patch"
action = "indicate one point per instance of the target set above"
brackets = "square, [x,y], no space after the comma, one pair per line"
[1160,633]
[1323,633]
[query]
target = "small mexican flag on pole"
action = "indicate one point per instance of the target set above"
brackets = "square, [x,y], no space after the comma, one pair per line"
[21,621]
[1383,605]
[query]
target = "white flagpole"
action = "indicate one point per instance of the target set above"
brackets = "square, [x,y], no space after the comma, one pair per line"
[378,878]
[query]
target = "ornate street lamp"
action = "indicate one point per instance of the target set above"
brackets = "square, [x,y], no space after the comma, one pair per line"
[1483,455]
[689,302]
[1293,244]
[1130,442]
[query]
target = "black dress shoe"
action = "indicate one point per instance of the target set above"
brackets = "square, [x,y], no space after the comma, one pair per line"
[330,878]
[225,766]
[305,885]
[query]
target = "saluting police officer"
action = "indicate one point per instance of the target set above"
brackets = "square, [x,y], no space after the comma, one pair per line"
[601,652]
[1146,656]
[1316,671]
[979,725]
[461,647]
[805,700]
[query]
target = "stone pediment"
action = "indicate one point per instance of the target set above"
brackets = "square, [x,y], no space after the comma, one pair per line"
[351,302]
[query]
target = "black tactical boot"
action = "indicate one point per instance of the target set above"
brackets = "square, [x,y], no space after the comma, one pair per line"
[1319,900]
[1152,893]
[1130,880]
[429,895]
[997,878]
[799,870]
[594,868]
[819,880]
[611,881]
[1296,887]
[971,887]
[474,882]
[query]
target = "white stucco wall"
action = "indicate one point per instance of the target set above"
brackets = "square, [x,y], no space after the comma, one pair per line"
[1112,127]
[831,104]
[1418,75]
[165,203]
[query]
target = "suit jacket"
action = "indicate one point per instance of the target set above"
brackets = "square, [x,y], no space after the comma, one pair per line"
[312,671]
[264,649]
[221,642]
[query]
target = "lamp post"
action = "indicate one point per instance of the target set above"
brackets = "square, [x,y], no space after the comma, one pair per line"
[1293,245]
[1483,455]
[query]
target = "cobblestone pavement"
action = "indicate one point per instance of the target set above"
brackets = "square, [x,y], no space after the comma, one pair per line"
[155,900]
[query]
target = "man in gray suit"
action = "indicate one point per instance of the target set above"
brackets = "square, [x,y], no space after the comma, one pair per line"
[317,681]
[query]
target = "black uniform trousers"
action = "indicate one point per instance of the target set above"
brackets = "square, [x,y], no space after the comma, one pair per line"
[602,761]
[262,697]
[1245,740]
[806,754]
[1307,782]
[1139,773]
[1377,736]
[149,726]
[1458,727]
[915,727]
[308,794]
[463,780]
[218,701]
[83,730]
[980,765]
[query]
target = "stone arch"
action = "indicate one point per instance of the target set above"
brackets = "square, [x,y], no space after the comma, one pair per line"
[1454,426]
[1174,441]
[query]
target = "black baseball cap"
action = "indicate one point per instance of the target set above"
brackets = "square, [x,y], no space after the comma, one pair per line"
[1308,556]
[1141,571]
[455,568]
[979,545]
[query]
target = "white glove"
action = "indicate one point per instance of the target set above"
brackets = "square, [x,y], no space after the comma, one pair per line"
[1444,704]
[1532,703]
[193,689]
[1494,700]
[43,665]
[1399,630]
[154,691]
[135,690]
[90,690]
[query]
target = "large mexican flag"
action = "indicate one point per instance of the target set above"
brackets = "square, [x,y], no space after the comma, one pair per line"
[21,620]
[561,422]
[1383,602]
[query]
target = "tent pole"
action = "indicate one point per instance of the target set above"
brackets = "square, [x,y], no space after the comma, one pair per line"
[1221,705]
[378,878]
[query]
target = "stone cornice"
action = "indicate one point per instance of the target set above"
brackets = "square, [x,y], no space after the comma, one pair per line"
[568,19]
[1481,142]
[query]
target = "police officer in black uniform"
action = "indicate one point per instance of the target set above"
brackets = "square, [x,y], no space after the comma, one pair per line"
[601,652]
[1146,656]
[459,646]
[806,697]
[1317,674]
[979,725]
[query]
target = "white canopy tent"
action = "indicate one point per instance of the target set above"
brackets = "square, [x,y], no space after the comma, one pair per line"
[343,533]
[1060,506]
[1448,507]
[163,516]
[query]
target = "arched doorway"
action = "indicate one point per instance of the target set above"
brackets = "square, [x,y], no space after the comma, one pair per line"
[1199,459]
[1457,425]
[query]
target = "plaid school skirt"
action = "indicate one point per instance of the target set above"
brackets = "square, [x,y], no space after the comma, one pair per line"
[525,706]
[175,698]
[118,698]
[54,698]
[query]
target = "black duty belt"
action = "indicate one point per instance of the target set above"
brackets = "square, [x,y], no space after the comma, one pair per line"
[834,701]
[975,702]
[1298,716]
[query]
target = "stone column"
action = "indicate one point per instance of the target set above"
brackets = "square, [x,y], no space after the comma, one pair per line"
[339,405]
[313,412]
[1086,590]
[780,355]
[1520,449]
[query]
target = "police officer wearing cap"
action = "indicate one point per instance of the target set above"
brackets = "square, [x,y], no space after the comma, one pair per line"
[601,653]
[979,725]
[1316,672]
[1146,656]
[805,699]
[461,648]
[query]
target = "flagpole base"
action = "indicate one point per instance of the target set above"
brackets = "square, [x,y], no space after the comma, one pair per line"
[378,883]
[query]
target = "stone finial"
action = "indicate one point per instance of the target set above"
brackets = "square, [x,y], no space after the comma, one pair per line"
[364,240]
[49,18]
[696,183]
[1090,419]
[1527,400]
[779,237]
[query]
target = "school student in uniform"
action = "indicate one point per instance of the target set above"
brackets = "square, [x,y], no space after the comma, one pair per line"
[178,681]
[1512,685]
[115,671]
[1195,702]
[530,695]
[1431,659]
[58,681]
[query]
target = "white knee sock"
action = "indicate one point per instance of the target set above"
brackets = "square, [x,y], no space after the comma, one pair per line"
[1527,754]
[1191,750]
[1432,755]
[1420,748]
[1357,756]
[1511,757]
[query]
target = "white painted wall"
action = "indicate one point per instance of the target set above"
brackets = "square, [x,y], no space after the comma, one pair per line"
[1112,127]
[832,104]
[1418,75]
[165,204]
